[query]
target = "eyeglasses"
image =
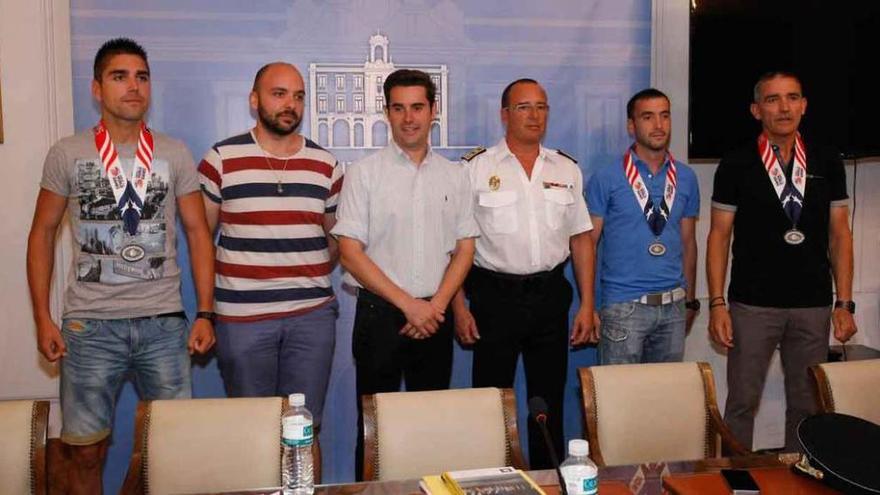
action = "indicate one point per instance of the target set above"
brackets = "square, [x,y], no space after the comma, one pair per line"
[525,108]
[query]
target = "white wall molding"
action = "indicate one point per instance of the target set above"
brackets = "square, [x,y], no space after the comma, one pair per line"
[59,95]
[38,110]
[670,59]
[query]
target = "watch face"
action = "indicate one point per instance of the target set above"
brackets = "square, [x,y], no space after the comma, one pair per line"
[847,305]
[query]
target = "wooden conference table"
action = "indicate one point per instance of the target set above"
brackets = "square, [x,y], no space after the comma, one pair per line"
[771,472]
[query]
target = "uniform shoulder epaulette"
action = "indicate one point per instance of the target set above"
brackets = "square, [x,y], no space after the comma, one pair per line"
[566,155]
[470,155]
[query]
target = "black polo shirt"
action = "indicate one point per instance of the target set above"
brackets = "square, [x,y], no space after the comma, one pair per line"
[766,271]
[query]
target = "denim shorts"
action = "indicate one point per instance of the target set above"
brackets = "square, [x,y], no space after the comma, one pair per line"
[100,356]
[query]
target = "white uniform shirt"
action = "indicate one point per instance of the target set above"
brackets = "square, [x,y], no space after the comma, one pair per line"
[525,225]
[408,217]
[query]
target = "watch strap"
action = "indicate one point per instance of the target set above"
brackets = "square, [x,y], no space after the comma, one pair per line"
[208,315]
[847,305]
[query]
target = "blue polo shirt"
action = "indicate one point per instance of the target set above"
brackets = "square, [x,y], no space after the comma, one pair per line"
[626,269]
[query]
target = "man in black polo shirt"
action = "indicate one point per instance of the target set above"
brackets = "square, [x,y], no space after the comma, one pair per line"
[785,203]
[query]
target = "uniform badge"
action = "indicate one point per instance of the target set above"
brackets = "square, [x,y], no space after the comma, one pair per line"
[494,182]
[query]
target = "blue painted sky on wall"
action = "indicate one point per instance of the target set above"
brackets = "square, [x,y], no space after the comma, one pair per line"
[590,55]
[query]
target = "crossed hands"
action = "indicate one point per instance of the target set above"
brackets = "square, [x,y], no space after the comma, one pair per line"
[423,319]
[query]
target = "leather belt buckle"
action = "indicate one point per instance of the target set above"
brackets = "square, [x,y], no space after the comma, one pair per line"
[653,299]
[661,298]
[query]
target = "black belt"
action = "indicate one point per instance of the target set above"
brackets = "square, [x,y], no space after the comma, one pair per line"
[373,298]
[509,281]
[175,314]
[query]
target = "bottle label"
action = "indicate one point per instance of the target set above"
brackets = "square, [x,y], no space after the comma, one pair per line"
[296,433]
[590,486]
[580,480]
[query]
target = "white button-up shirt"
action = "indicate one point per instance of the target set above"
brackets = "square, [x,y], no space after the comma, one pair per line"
[525,224]
[408,217]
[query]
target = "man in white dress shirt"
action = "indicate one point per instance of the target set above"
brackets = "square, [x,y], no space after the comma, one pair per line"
[406,239]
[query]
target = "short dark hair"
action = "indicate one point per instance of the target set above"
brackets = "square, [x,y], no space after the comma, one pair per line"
[505,95]
[409,77]
[756,91]
[645,94]
[117,46]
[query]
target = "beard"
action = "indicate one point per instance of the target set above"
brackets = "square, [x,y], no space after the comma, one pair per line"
[646,141]
[273,124]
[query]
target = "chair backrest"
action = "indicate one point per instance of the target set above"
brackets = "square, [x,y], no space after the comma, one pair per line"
[638,413]
[206,445]
[413,434]
[851,387]
[23,426]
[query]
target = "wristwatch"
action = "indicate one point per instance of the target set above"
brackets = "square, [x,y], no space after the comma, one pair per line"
[208,315]
[847,305]
[693,305]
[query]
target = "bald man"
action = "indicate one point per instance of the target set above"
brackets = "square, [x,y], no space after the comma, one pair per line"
[273,194]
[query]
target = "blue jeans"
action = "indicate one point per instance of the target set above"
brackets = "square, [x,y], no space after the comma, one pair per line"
[633,332]
[280,356]
[100,354]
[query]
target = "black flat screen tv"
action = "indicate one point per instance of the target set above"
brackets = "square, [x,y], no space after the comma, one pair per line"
[832,45]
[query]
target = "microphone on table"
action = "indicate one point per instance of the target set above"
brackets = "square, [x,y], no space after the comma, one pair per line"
[538,411]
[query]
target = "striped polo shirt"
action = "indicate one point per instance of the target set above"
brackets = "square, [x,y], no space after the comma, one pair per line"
[272,258]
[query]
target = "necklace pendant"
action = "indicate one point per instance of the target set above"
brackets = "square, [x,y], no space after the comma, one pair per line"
[279,188]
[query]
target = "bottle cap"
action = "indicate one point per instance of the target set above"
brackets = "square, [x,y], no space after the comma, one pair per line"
[578,447]
[297,400]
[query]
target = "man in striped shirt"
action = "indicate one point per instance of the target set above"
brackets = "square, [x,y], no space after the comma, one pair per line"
[273,194]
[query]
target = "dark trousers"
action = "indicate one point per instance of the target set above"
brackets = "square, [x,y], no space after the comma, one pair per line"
[529,316]
[382,357]
[801,334]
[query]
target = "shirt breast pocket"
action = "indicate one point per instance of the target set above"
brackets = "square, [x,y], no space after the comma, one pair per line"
[497,212]
[557,204]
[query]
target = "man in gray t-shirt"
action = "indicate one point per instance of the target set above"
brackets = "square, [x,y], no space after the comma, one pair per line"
[121,185]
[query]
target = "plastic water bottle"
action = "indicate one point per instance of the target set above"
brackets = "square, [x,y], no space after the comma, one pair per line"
[579,472]
[297,474]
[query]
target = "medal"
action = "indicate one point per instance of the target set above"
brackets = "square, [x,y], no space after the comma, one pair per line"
[794,237]
[656,218]
[132,253]
[494,182]
[129,194]
[791,194]
[657,248]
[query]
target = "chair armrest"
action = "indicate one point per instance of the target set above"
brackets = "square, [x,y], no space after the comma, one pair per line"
[729,443]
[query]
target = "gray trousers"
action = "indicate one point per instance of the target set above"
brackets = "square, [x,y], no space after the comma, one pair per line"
[801,334]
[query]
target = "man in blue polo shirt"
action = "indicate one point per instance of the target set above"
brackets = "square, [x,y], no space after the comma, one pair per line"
[644,210]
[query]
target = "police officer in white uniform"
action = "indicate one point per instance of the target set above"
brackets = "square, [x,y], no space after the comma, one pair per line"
[532,216]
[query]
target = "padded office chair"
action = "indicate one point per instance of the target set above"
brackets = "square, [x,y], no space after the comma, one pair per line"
[208,445]
[413,434]
[849,387]
[639,413]
[23,427]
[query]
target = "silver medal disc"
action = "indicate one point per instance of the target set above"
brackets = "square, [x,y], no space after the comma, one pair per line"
[794,237]
[132,253]
[657,249]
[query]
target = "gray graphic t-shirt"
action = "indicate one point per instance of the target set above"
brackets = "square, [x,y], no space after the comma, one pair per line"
[116,274]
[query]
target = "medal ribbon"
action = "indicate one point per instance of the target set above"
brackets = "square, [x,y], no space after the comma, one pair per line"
[129,194]
[790,194]
[656,217]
